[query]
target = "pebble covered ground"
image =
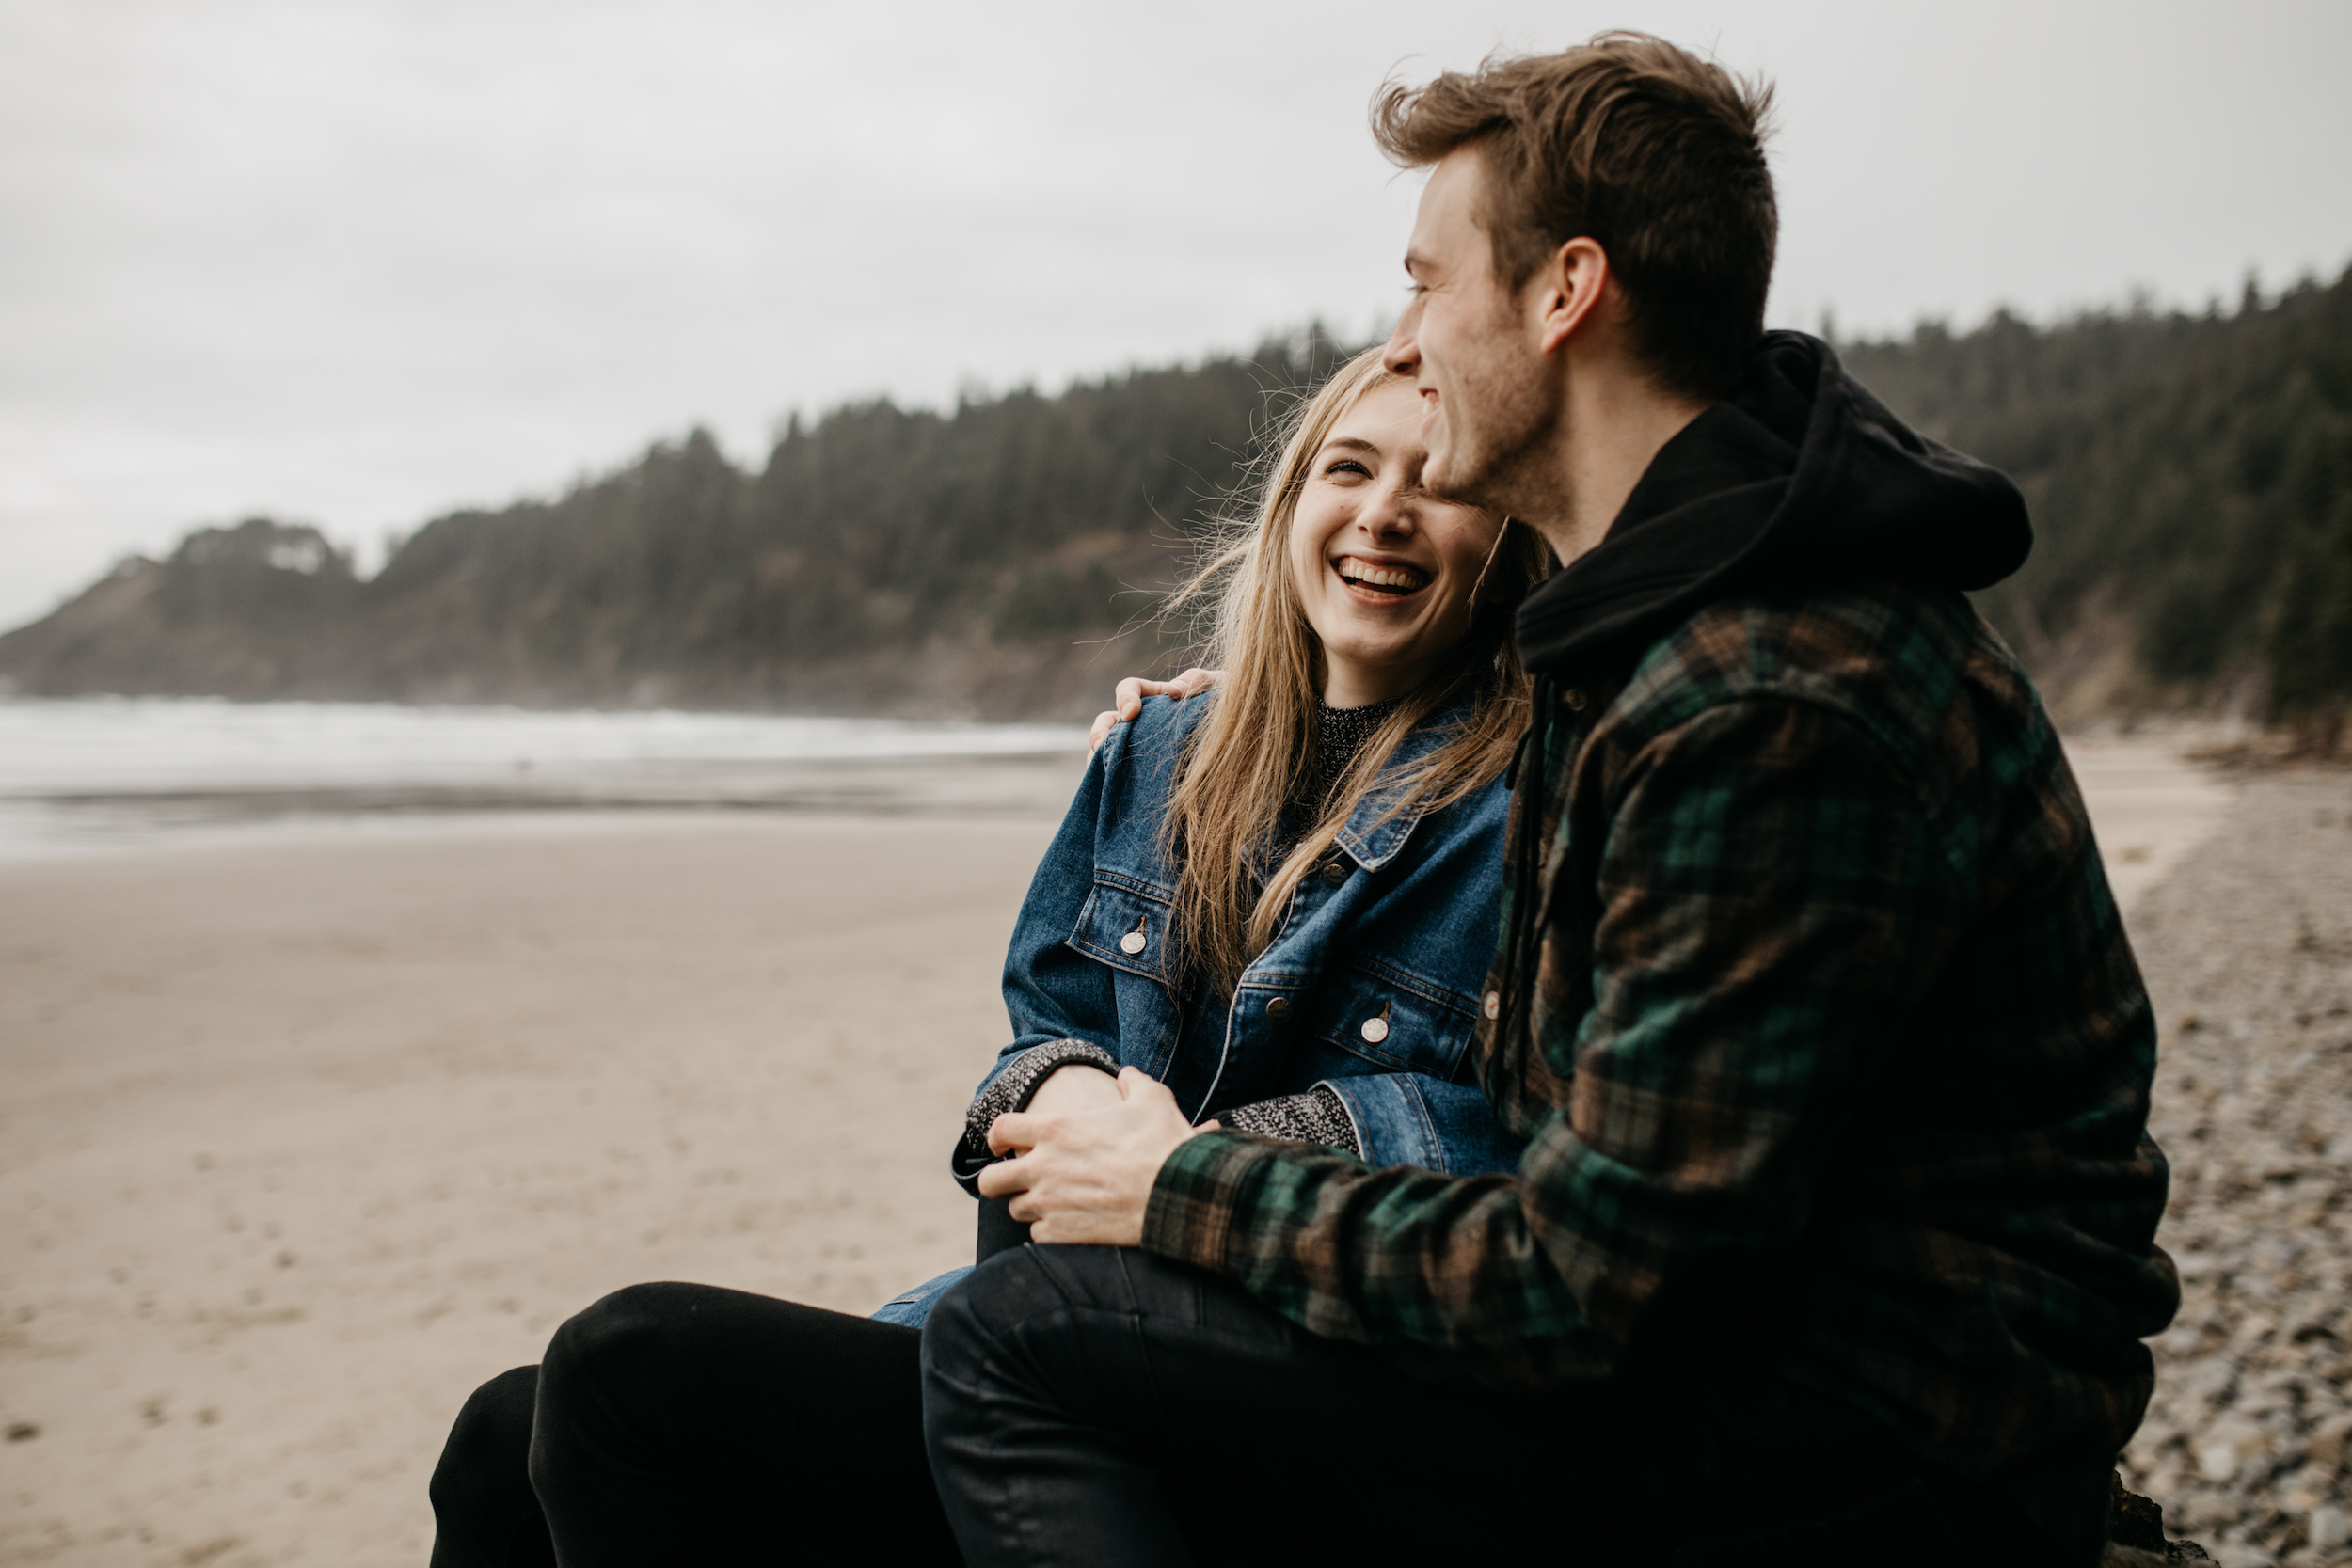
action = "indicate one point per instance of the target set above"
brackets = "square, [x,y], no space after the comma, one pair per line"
[2248,952]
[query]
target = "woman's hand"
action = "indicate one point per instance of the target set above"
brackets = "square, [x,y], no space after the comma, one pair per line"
[1127,699]
[1084,1177]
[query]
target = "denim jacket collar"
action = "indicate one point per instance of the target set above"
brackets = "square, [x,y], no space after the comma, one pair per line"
[1372,842]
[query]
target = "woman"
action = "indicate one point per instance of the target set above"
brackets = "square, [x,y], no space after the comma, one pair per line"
[1292,937]
[1280,900]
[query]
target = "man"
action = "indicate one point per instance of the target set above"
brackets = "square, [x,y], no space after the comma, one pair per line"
[1833,1235]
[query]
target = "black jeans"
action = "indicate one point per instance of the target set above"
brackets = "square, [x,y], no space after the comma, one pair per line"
[685,1424]
[1093,1405]
[1099,1405]
[714,1366]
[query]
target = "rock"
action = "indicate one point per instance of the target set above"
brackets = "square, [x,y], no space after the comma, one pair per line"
[2136,1537]
[2132,1519]
[2326,1529]
[2322,1451]
[2245,1556]
[2225,1446]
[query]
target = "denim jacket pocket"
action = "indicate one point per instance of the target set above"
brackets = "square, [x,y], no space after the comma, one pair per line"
[1125,927]
[1391,1021]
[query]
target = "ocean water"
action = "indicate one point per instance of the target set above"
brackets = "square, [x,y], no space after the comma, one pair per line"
[113,771]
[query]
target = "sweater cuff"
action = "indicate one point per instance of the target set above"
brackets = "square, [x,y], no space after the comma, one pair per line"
[1013,1089]
[1198,1193]
[1316,1116]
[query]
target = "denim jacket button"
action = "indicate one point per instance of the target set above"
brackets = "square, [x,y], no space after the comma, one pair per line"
[1375,1030]
[1132,942]
[1575,699]
[1278,1009]
[1334,873]
[1494,1004]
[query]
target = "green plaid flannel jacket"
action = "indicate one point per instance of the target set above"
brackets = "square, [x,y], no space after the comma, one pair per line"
[1822,1029]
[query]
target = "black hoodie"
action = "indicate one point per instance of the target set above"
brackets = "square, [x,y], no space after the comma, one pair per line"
[1799,476]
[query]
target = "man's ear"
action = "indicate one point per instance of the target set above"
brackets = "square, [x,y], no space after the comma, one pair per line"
[1571,283]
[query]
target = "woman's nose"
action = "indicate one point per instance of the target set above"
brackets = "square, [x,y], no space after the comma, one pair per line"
[1387,514]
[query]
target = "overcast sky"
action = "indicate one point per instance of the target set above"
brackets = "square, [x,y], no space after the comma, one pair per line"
[359,263]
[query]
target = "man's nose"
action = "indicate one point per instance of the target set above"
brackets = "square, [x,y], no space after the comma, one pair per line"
[1403,354]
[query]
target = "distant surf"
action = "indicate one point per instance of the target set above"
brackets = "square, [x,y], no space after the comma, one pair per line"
[99,771]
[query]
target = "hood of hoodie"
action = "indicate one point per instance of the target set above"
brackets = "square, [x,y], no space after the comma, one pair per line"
[1799,476]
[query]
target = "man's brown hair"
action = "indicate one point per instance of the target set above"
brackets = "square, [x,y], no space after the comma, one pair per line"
[1654,155]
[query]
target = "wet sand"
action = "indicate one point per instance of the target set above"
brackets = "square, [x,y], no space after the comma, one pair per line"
[301,1139]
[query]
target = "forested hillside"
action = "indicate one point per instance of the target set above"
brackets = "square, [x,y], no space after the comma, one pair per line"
[2191,476]
[881,561]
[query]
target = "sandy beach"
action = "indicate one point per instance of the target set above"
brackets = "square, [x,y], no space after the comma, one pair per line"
[303,1136]
[303,1140]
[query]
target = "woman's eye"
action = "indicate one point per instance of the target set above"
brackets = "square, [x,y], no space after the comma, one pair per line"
[1346,464]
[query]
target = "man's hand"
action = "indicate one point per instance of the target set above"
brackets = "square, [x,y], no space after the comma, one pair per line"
[1084,1177]
[1127,700]
[1074,1087]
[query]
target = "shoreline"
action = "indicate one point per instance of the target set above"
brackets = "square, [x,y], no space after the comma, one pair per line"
[1010,786]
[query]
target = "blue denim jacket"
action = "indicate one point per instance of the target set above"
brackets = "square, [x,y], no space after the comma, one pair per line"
[1370,986]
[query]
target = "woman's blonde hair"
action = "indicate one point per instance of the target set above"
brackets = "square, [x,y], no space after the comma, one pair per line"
[1249,757]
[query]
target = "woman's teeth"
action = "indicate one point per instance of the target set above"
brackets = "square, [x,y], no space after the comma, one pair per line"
[1387,579]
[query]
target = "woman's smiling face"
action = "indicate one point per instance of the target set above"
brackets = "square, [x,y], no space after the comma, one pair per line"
[1384,570]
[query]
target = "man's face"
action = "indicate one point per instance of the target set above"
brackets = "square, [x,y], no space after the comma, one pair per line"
[1471,346]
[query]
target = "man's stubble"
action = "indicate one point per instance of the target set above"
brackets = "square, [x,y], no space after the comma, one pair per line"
[1502,427]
